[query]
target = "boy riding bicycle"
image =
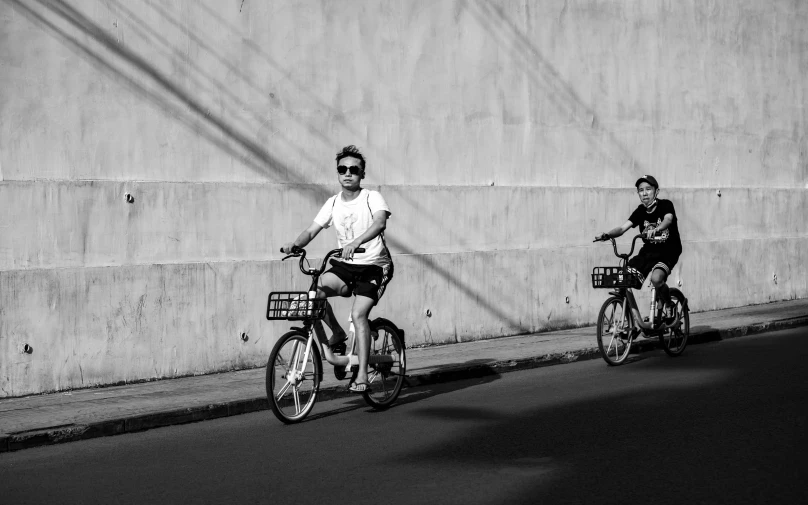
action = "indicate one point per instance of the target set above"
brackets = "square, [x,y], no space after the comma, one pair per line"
[359,217]
[662,245]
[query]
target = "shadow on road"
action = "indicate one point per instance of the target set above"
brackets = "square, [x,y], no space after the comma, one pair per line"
[708,425]
[451,378]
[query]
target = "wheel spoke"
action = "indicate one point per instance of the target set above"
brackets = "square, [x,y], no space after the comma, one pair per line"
[296,396]
[283,390]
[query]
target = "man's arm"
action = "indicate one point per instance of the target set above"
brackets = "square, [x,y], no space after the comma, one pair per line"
[304,238]
[616,232]
[376,228]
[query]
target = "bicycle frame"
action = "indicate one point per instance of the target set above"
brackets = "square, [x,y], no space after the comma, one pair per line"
[350,359]
[629,302]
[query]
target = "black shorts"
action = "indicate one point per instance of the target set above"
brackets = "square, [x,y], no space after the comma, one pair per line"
[363,280]
[646,261]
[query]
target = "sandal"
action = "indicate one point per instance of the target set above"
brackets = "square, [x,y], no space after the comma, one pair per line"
[359,387]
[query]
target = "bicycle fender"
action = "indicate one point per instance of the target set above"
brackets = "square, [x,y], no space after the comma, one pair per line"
[681,296]
[298,328]
[381,320]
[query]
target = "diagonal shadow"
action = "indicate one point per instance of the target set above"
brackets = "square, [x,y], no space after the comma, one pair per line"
[189,111]
[205,81]
[130,68]
[196,115]
[543,74]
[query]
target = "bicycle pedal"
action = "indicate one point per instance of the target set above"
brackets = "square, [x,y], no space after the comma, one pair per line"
[339,348]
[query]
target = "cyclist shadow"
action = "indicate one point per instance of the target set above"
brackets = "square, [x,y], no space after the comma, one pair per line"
[448,379]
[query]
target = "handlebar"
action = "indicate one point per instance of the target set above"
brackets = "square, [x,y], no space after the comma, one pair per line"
[299,251]
[614,244]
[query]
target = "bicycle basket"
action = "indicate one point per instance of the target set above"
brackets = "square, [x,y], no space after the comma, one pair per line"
[615,277]
[295,306]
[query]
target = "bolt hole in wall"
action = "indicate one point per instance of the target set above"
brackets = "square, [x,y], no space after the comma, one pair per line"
[129,198]
[245,337]
[27,349]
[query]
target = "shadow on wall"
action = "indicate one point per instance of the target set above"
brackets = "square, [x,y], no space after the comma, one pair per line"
[134,71]
[235,136]
[545,78]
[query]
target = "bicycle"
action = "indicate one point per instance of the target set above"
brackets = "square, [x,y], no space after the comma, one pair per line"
[295,369]
[620,320]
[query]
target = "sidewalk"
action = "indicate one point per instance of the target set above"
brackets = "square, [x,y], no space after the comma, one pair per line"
[62,417]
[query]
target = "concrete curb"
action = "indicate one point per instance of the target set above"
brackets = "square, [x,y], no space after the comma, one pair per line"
[72,432]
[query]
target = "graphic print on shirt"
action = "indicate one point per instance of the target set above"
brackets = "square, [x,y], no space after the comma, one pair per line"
[347,225]
[661,237]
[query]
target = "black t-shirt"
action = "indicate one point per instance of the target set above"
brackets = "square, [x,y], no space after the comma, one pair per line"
[666,241]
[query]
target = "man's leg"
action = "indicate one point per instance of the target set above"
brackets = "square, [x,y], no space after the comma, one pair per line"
[360,312]
[330,285]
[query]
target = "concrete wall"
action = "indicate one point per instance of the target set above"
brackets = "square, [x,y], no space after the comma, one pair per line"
[503,134]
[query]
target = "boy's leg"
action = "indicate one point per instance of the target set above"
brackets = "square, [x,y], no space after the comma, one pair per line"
[658,278]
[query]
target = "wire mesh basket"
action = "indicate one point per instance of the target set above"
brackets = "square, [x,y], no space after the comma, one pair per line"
[615,277]
[295,306]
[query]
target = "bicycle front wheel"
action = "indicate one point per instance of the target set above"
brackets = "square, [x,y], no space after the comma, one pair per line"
[386,364]
[674,340]
[614,331]
[293,377]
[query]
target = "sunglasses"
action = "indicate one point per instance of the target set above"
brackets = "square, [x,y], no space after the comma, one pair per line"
[354,170]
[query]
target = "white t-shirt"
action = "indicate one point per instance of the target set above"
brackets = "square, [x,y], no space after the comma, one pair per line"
[352,219]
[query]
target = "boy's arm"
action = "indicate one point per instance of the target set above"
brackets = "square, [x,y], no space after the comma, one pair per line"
[304,238]
[616,232]
[376,228]
[666,221]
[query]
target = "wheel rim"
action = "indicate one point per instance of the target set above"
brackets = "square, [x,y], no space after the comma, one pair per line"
[293,383]
[386,379]
[613,337]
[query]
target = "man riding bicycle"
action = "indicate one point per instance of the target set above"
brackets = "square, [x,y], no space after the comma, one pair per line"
[662,245]
[359,217]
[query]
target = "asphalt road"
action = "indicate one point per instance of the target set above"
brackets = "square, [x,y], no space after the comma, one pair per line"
[724,423]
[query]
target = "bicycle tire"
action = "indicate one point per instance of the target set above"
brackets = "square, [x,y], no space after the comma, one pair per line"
[284,397]
[385,379]
[673,340]
[614,343]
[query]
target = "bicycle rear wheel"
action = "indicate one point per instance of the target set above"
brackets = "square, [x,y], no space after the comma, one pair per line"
[293,379]
[674,340]
[386,364]
[614,331]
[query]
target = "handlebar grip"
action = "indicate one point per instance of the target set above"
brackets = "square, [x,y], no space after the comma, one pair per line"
[295,250]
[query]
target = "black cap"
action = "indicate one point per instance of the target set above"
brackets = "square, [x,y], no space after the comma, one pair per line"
[647,178]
